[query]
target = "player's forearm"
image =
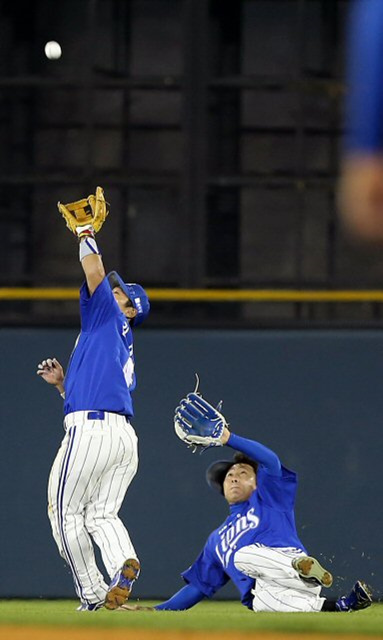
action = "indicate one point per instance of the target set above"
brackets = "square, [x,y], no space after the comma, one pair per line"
[94,271]
[256,451]
[186,598]
[364,101]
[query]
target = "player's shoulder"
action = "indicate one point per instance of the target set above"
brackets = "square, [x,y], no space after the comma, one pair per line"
[286,474]
[103,297]
[277,491]
[102,290]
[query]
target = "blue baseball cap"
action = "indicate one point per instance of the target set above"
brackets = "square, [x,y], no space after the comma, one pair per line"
[136,294]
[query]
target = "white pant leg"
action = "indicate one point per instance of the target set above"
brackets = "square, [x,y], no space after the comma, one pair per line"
[52,493]
[101,515]
[70,477]
[269,597]
[90,449]
[278,586]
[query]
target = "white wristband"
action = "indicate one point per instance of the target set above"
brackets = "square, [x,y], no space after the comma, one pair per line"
[88,247]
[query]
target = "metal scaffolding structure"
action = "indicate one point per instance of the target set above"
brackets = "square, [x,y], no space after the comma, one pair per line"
[215,129]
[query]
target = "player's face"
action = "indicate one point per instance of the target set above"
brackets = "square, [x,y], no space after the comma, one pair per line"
[239,483]
[124,303]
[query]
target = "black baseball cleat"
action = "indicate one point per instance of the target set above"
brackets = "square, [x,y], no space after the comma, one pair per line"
[121,586]
[360,597]
[310,570]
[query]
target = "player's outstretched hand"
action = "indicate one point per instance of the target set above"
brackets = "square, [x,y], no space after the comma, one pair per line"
[51,371]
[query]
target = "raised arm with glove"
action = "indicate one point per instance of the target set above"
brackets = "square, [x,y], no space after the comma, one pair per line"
[201,425]
[84,218]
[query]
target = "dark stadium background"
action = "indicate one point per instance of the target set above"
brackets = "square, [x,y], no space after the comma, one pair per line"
[215,128]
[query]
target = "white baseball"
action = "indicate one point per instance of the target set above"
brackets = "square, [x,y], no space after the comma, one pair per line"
[52,50]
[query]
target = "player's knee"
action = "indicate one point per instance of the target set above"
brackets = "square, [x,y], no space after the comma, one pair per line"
[237,560]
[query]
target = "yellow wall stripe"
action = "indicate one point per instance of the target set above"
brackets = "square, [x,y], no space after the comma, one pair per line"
[208,295]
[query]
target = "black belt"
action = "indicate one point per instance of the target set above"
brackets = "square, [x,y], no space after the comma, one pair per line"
[100,415]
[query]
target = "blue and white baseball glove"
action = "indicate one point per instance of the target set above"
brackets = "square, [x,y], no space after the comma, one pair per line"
[198,423]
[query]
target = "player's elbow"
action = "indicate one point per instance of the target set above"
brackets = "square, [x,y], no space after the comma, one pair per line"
[274,465]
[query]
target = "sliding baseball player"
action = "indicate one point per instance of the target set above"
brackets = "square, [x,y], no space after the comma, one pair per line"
[257,546]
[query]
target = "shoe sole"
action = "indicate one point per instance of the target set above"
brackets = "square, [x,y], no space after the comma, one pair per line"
[310,569]
[119,594]
[366,600]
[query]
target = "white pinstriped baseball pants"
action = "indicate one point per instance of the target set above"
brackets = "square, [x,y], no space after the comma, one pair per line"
[278,586]
[90,475]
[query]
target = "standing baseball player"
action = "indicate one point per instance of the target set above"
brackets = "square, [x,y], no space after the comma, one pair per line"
[98,456]
[257,546]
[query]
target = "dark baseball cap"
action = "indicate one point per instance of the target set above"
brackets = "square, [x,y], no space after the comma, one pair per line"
[136,294]
[216,472]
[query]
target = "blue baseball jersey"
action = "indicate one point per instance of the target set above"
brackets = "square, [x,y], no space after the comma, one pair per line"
[364,71]
[101,373]
[266,518]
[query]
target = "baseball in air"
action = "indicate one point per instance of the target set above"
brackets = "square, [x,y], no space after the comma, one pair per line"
[52,50]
